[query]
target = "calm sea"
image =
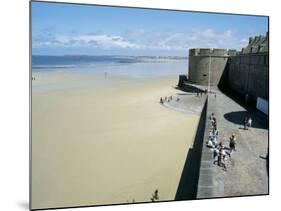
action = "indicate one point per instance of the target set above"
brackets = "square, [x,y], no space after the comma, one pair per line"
[131,66]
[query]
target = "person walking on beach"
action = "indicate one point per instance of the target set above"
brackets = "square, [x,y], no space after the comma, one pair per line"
[155,196]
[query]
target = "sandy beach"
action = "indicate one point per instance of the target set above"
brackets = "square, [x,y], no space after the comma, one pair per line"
[105,140]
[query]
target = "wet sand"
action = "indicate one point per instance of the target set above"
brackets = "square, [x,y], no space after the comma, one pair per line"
[105,140]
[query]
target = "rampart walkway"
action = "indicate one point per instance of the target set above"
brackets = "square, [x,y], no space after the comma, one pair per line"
[247,169]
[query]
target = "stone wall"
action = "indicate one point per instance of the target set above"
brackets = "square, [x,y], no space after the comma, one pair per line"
[245,72]
[248,74]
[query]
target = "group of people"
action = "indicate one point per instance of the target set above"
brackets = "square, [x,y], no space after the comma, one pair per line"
[200,93]
[168,99]
[220,152]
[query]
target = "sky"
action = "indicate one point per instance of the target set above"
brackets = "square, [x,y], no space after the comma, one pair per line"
[73,29]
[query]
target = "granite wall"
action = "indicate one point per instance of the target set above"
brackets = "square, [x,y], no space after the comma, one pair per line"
[248,75]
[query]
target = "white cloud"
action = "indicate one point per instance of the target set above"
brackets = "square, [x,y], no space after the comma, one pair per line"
[141,40]
[102,41]
[107,41]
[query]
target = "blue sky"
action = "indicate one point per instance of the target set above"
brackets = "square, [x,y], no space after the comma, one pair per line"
[59,29]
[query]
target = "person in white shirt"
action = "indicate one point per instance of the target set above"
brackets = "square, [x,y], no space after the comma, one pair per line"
[250,122]
[210,143]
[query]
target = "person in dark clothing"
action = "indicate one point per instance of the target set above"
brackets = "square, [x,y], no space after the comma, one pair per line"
[245,123]
[232,143]
[155,196]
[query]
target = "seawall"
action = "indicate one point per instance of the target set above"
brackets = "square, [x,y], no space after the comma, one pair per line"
[187,187]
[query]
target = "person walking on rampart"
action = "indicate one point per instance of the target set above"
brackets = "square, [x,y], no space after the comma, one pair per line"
[232,143]
[250,122]
[223,164]
[216,155]
[215,132]
[214,124]
[212,116]
[245,123]
[213,119]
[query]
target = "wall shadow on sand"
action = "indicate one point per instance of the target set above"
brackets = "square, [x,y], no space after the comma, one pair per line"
[187,188]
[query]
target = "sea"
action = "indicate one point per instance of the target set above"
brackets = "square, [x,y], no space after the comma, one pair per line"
[137,67]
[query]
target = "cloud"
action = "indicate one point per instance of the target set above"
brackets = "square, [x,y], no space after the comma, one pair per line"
[101,41]
[107,41]
[142,40]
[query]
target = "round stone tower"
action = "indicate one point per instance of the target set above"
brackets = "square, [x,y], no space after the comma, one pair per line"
[203,61]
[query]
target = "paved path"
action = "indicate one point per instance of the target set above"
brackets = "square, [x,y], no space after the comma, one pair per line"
[187,103]
[247,169]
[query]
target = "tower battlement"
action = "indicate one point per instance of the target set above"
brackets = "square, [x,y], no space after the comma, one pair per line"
[257,44]
[247,70]
[216,52]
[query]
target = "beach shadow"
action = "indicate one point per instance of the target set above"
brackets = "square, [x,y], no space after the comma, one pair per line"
[187,188]
[23,205]
[237,117]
